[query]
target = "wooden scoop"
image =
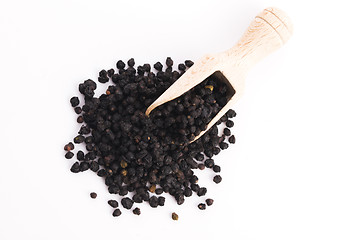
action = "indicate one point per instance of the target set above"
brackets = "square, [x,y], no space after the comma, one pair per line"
[270,30]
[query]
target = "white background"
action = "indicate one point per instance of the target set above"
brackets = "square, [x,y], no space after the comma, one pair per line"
[294,172]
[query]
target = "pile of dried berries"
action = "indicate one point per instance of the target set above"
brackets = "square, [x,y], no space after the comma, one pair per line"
[149,155]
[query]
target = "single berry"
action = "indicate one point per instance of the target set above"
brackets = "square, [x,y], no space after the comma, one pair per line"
[202,206]
[116,212]
[217,179]
[216,168]
[113,203]
[69,155]
[74,101]
[68,147]
[127,203]
[209,201]
[137,211]
[174,216]
[232,139]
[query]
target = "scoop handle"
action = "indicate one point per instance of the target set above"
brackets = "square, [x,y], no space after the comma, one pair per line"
[270,30]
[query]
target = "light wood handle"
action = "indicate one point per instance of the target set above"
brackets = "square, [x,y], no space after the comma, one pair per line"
[270,30]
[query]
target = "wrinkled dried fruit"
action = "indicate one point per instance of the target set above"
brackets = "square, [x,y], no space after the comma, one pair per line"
[174,216]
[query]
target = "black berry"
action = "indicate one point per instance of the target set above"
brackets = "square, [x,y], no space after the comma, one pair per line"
[77,110]
[232,139]
[227,132]
[229,123]
[209,201]
[202,191]
[231,113]
[120,64]
[116,212]
[216,168]
[127,203]
[75,168]
[189,63]
[69,146]
[137,211]
[217,179]
[202,206]
[113,203]
[74,101]
[69,155]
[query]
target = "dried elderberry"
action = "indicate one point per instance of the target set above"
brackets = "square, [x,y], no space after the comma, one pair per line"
[143,154]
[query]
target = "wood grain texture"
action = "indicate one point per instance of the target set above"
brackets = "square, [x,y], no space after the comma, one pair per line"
[270,30]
